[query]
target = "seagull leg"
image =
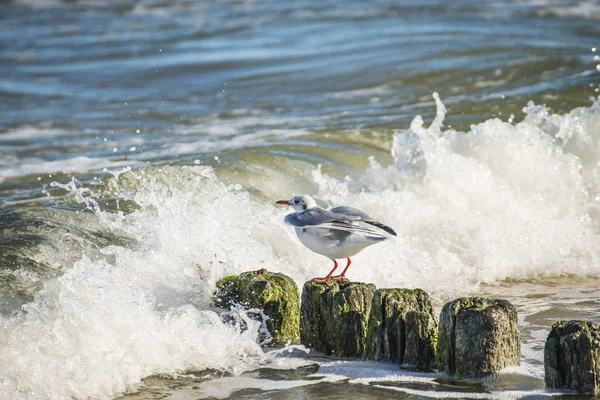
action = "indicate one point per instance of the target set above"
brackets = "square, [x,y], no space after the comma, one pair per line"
[335,265]
[341,276]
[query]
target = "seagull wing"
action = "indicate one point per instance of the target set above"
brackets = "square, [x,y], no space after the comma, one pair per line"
[338,224]
[316,216]
[362,216]
[344,228]
[355,212]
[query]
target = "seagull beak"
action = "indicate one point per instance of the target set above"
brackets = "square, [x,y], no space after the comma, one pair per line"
[287,203]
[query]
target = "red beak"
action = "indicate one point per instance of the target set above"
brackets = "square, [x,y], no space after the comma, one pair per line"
[287,203]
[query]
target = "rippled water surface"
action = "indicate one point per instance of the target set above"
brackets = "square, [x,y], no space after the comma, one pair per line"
[143,144]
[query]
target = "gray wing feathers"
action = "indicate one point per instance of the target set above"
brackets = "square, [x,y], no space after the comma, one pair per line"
[363,217]
[316,216]
[352,212]
[340,216]
[350,228]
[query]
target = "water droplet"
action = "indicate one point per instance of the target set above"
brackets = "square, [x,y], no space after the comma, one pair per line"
[196,161]
[216,158]
[115,150]
[132,148]
[137,131]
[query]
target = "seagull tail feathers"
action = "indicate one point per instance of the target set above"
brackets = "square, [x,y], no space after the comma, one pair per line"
[382,226]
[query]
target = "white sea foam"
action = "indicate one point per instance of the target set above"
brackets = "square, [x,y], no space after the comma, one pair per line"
[29,132]
[562,8]
[17,167]
[501,201]
[212,142]
[105,324]
[59,3]
[361,93]
[225,387]
[24,151]
[217,132]
[384,376]
[431,385]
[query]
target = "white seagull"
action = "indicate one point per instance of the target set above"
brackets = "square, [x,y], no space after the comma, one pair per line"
[337,233]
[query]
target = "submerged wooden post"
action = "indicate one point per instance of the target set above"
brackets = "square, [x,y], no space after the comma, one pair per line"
[402,328]
[572,357]
[334,316]
[477,337]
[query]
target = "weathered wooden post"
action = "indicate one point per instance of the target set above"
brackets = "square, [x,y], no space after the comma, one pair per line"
[402,328]
[275,294]
[477,337]
[572,357]
[334,316]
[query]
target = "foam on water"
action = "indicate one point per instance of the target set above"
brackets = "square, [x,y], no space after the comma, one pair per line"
[28,132]
[24,151]
[374,375]
[105,324]
[501,201]
[80,164]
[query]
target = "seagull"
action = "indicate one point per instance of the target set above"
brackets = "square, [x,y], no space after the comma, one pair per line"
[337,233]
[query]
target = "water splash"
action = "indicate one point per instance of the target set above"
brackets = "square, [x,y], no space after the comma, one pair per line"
[105,324]
[501,201]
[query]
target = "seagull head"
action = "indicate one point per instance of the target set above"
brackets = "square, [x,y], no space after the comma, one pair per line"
[300,203]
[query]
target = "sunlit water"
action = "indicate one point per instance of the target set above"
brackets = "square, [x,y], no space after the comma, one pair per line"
[143,144]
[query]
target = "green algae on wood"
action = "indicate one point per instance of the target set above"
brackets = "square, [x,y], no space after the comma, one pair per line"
[334,317]
[572,357]
[276,294]
[477,337]
[402,328]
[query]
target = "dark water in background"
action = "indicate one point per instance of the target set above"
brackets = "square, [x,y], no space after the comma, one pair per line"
[247,102]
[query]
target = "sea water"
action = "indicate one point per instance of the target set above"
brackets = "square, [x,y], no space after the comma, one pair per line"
[143,145]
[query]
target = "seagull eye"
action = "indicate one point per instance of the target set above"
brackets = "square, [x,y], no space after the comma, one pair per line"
[296,201]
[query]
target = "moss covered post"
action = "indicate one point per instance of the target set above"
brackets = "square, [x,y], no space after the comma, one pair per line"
[402,328]
[572,357]
[276,294]
[334,317]
[477,337]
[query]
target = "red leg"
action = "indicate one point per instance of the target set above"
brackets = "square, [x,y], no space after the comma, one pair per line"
[335,265]
[341,276]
